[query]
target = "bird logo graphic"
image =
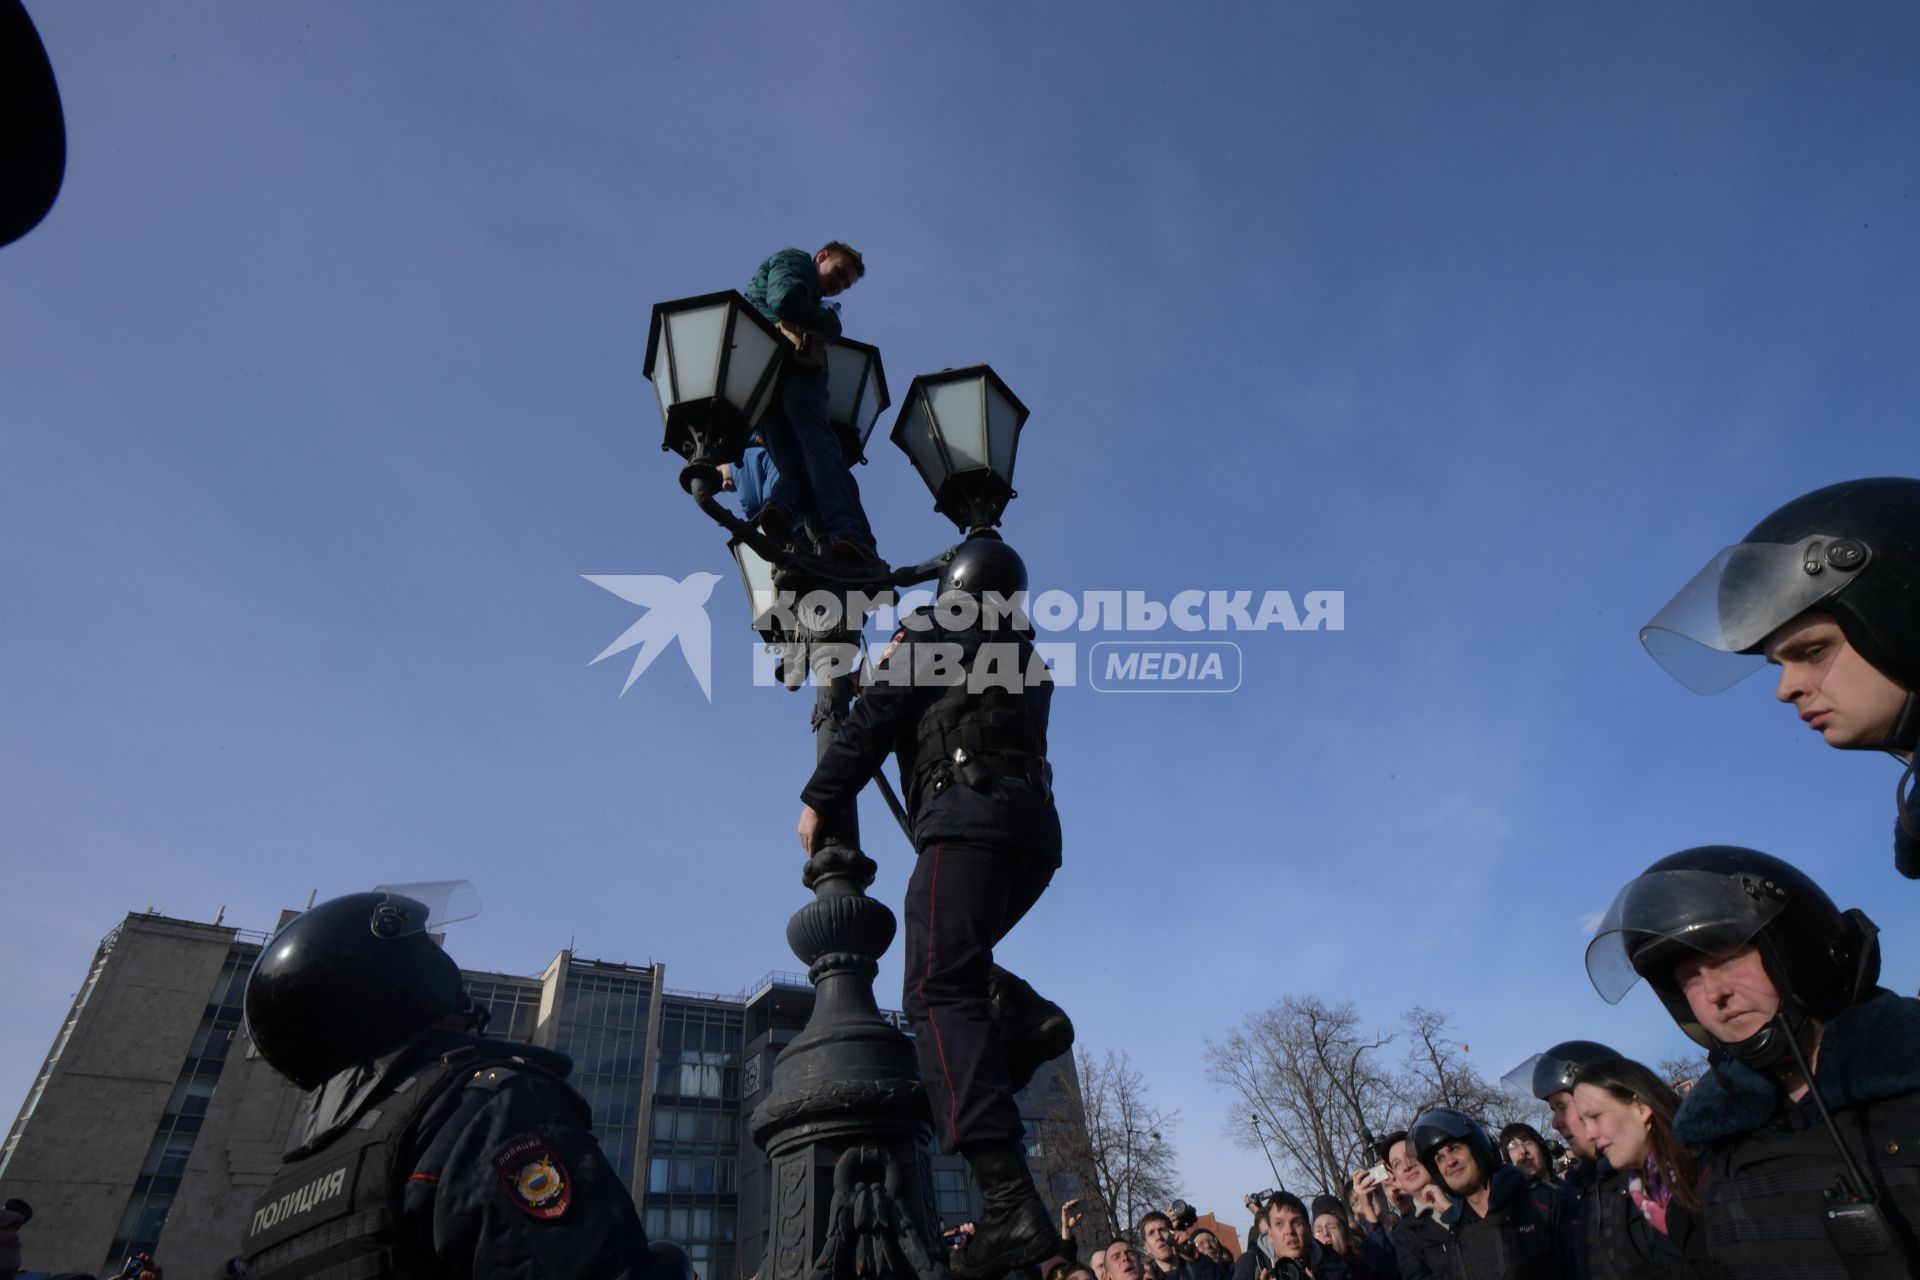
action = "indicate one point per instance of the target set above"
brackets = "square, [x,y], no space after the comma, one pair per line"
[674,611]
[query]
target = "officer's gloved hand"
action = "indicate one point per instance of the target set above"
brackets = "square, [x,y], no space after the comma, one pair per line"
[670,1262]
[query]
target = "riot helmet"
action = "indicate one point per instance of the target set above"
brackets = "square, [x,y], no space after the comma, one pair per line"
[982,564]
[1557,1070]
[1852,550]
[1716,899]
[349,979]
[1436,1127]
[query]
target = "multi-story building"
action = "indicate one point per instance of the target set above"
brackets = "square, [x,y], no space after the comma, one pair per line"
[153,1125]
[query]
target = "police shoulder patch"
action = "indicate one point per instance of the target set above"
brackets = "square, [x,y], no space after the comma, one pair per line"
[533,1177]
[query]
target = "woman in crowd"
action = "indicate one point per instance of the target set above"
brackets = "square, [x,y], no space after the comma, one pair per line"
[1644,1226]
[1333,1229]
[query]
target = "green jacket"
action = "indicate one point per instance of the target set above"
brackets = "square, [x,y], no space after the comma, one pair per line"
[787,287]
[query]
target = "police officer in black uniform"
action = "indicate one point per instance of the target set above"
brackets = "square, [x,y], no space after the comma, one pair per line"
[423,1149]
[1550,1077]
[1825,587]
[961,698]
[1498,1231]
[1809,1121]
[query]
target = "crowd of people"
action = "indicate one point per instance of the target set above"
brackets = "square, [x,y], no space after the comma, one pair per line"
[1797,1152]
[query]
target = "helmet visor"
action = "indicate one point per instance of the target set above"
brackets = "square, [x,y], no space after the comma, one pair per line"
[1520,1079]
[1708,636]
[446,900]
[1704,911]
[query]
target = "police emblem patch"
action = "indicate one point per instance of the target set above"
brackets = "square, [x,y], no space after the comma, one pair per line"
[534,1178]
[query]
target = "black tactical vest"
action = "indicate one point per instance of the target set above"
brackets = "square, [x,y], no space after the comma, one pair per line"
[1003,728]
[1764,1194]
[1512,1243]
[332,1214]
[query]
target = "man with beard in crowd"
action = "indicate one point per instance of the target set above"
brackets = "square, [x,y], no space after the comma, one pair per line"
[1208,1246]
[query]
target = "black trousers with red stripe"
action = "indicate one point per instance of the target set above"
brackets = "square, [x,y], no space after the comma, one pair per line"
[961,901]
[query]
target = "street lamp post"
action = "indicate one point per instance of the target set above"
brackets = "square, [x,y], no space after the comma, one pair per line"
[1253,1118]
[845,1126]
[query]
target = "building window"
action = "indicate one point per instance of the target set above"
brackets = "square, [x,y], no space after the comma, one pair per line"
[950,1197]
[160,1172]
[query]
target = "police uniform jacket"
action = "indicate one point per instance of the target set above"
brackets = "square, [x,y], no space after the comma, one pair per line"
[1767,1162]
[453,1156]
[969,728]
[1512,1242]
[1582,1181]
[1559,1205]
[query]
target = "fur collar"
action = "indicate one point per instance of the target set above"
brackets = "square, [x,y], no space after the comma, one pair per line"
[1868,1053]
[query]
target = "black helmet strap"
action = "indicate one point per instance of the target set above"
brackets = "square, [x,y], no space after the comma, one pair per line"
[1866,942]
[1906,835]
[1905,734]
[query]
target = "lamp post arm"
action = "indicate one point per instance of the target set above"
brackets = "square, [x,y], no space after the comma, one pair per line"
[703,495]
[926,571]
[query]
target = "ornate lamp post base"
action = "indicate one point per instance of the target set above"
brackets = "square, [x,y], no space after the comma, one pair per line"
[846,1128]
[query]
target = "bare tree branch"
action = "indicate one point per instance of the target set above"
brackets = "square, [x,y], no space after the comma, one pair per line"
[1309,1072]
[1114,1140]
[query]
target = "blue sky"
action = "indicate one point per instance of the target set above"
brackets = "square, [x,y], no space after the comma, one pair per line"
[323,391]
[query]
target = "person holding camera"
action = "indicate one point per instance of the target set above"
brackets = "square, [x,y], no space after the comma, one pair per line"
[1371,1195]
[422,1149]
[1292,1252]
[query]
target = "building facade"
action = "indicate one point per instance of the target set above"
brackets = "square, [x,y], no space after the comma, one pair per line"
[152,1125]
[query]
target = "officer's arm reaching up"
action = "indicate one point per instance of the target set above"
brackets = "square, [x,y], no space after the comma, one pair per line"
[861,745]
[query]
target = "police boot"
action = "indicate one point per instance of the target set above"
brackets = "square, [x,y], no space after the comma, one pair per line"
[1015,1228]
[1032,1029]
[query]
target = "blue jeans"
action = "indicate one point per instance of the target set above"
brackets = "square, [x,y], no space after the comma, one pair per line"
[753,480]
[811,476]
